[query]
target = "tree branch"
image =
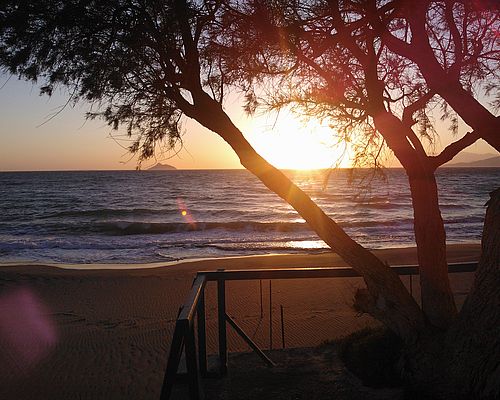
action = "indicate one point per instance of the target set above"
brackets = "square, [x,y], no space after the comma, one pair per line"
[457,40]
[454,148]
[418,104]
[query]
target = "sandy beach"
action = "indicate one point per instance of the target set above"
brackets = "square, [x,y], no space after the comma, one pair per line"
[103,331]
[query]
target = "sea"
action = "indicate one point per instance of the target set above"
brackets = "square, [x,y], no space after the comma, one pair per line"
[162,216]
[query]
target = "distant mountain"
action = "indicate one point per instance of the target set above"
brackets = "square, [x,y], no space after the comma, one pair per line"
[161,167]
[488,162]
[465,157]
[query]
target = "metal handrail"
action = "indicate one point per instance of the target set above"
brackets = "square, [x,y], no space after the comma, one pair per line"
[194,306]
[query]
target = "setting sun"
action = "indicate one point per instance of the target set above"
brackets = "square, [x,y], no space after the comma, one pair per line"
[288,142]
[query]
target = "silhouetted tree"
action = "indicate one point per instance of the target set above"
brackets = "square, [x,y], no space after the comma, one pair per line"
[144,64]
[364,66]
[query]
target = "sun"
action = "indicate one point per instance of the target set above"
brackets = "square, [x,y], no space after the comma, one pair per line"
[288,142]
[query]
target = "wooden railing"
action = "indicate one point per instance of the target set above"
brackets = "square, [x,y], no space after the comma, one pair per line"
[185,335]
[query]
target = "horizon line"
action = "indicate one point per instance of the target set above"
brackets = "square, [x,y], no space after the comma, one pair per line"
[222,169]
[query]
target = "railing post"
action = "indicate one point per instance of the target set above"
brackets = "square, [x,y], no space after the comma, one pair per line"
[174,357]
[202,335]
[221,307]
[195,392]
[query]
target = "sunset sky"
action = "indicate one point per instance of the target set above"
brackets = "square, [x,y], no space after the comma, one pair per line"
[68,142]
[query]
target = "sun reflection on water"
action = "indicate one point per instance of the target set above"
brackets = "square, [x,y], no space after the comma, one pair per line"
[306,244]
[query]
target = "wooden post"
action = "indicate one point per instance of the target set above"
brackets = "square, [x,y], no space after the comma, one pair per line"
[282,327]
[195,392]
[221,302]
[270,315]
[202,335]
[174,358]
[249,341]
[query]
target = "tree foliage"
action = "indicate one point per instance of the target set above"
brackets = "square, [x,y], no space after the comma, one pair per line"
[127,58]
[336,60]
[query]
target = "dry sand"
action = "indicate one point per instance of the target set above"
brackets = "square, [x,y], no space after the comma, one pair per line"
[82,333]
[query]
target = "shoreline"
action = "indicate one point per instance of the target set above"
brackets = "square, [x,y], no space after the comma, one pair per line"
[457,252]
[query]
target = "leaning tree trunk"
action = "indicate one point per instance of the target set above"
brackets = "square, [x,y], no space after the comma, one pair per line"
[386,298]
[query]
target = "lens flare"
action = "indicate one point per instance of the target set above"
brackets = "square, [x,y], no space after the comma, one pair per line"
[27,333]
[184,211]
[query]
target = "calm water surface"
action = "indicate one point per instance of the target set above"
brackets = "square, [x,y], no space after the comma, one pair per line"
[129,216]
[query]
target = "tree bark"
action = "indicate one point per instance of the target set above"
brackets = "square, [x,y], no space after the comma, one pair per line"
[437,297]
[473,342]
[463,363]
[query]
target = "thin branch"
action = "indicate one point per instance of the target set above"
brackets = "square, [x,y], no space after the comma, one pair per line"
[7,81]
[455,34]
[61,109]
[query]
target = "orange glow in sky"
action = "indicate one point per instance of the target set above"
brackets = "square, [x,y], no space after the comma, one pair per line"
[67,142]
[288,142]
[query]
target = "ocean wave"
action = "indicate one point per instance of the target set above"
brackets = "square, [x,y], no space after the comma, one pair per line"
[382,206]
[109,212]
[137,228]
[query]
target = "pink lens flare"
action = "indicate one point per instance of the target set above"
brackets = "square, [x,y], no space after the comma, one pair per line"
[27,333]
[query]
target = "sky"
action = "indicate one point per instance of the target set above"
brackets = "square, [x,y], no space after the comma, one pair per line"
[34,137]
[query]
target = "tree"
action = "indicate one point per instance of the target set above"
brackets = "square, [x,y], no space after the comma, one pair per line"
[364,65]
[144,64]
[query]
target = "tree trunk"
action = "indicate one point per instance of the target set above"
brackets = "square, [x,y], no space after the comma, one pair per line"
[474,341]
[463,363]
[434,361]
[437,298]
[387,299]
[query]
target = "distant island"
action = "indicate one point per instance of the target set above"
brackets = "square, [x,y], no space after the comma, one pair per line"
[162,167]
[488,162]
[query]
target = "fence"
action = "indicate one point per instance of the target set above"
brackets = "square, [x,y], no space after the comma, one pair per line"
[193,309]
